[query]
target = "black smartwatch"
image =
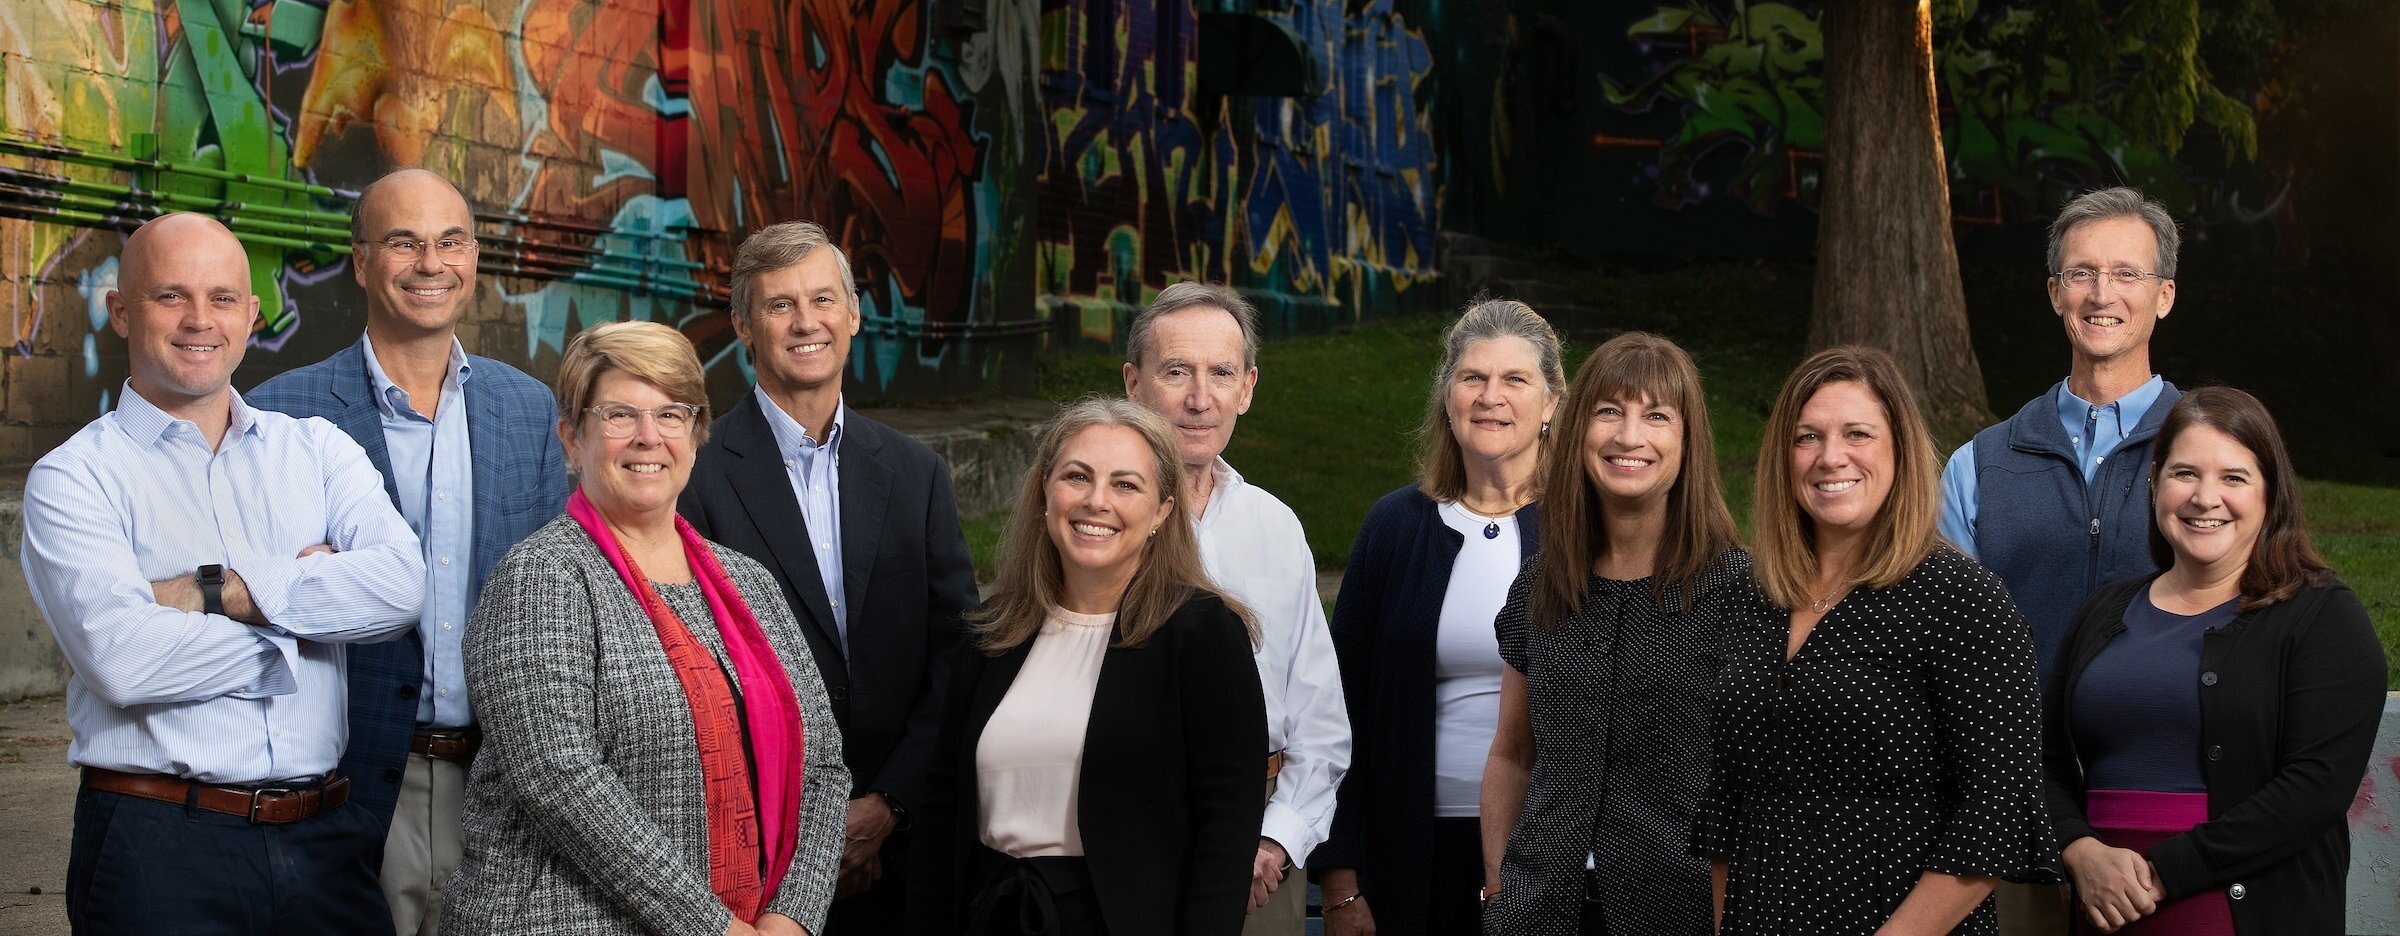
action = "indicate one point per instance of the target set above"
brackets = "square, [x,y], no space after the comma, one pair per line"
[900,817]
[212,589]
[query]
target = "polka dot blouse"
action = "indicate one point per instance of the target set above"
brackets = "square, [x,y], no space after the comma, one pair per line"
[1904,737]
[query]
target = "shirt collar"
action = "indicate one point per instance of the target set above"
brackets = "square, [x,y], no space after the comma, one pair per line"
[389,398]
[791,438]
[146,423]
[2074,410]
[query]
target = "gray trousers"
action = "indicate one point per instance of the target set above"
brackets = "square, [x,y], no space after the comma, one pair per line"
[422,847]
[1286,913]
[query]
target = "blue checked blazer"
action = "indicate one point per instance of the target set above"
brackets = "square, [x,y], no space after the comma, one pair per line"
[520,484]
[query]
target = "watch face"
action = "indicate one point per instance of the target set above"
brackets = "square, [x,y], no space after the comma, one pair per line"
[212,574]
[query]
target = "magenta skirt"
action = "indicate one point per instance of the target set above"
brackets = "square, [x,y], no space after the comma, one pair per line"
[2136,820]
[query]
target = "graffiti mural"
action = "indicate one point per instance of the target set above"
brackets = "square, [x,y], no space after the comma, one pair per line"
[615,152]
[1324,208]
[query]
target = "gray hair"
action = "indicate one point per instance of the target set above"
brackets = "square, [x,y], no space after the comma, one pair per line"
[2118,202]
[1441,470]
[780,245]
[1190,295]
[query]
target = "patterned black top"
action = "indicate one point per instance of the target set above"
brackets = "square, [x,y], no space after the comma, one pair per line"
[1618,698]
[1904,737]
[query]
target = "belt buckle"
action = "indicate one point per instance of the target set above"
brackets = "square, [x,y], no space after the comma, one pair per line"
[258,798]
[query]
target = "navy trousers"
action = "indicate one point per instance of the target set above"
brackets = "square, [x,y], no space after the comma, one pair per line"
[141,866]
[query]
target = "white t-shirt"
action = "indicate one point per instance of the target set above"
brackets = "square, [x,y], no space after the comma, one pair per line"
[1466,659]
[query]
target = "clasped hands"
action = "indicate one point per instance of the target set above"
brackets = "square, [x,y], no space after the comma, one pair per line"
[2114,886]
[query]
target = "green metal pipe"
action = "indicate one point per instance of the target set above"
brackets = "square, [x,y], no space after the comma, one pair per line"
[88,157]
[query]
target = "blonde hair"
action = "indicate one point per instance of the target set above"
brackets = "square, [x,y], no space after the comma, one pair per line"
[647,350]
[1574,526]
[1783,537]
[1031,580]
[1441,464]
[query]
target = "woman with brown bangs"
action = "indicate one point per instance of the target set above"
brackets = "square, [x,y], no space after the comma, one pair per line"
[1610,635]
[1877,735]
[2210,723]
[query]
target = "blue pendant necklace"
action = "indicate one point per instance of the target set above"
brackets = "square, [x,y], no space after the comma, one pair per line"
[1491,522]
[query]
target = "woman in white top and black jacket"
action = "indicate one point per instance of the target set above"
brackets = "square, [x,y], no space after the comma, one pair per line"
[1098,768]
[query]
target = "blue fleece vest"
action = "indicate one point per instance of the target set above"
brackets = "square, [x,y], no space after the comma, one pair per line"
[2049,536]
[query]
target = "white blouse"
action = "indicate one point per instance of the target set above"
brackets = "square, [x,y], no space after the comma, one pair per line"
[1031,754]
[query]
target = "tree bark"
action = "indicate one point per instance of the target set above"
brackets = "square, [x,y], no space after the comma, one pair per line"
[1887,268]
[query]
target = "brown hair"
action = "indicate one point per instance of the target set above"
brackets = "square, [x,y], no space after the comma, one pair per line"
[780,245]
[2282,560]
[1783,537]
[1441,466]
[1574,534]
[648,350]
[1031,580]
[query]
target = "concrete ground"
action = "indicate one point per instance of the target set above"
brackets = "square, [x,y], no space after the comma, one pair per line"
[37,802]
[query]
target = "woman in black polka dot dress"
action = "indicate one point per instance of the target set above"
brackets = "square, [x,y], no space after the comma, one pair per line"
[1877,733]
[1610,635]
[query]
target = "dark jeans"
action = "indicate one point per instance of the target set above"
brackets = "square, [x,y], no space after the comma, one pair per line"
[142,866]
[1453,907]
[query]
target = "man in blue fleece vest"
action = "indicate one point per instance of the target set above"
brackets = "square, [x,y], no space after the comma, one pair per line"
[2056,499]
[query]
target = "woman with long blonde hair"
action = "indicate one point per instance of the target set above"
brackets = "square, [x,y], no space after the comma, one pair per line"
[1097,769]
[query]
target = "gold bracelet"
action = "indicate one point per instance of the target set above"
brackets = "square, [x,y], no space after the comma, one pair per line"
[1338,904]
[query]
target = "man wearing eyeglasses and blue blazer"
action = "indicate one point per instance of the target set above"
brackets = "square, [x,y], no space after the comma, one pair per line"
[469,453]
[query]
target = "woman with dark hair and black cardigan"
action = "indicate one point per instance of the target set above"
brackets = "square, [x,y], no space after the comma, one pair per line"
[2209,725]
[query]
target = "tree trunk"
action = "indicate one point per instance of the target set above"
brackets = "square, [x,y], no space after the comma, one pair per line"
[1887,269]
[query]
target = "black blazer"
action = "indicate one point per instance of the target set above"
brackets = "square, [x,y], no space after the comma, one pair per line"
[905,570]
[2290,698]
[1171,794]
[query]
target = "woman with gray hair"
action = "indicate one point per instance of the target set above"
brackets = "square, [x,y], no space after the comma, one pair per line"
[1420,664]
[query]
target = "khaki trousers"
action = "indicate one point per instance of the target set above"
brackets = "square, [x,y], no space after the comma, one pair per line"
[422,847]
[1286,913]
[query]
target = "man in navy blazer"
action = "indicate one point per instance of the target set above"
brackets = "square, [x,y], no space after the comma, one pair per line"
[859,525]
[469,452]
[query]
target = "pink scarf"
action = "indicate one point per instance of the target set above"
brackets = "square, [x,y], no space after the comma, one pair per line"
[737,815]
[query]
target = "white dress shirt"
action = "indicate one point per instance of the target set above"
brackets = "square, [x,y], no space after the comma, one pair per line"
[137,497]
[1253,548]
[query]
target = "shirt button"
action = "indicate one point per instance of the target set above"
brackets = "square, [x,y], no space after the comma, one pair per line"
[2076,439]
[2216,752]
[441,495]
[824,545]
[2237,892]
[445,625]
[787,463]
[2208,678]
[445,560]
[2096,459]
[444,693]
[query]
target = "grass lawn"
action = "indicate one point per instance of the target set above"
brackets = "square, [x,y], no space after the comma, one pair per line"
[1332,427]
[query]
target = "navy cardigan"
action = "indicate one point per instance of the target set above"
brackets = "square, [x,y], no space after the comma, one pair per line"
[1384,626]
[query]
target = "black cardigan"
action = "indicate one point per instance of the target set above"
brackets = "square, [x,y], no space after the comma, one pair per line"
[1170,795]
[2290,698]
[1384,626]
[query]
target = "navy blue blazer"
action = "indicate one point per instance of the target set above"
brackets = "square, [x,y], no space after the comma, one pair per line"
[1384,626]
[520,483]
[905,570]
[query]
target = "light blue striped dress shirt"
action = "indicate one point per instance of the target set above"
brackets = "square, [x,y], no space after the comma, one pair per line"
[816,476]
[137,497]
[435,477]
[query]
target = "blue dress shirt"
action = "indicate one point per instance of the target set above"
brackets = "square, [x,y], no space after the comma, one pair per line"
[817,482]
[435,476]
[137,497]
[2095,431]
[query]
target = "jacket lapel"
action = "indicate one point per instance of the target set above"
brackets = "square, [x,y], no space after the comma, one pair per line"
[755,474]
[356,417]
[866,487]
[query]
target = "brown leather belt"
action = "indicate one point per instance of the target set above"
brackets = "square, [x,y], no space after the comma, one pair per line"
[457,744]
[268,805]
[1274,764]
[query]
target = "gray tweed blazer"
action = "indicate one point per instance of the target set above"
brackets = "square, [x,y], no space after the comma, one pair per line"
[584,810]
